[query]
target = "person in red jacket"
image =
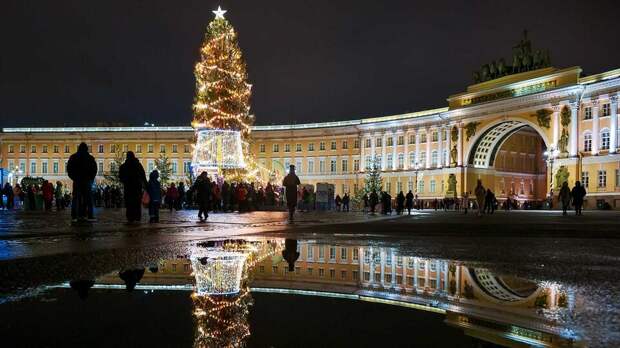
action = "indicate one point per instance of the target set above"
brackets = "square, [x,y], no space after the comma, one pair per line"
[48,194]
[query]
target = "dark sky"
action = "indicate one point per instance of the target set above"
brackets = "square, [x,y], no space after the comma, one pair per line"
[81,62]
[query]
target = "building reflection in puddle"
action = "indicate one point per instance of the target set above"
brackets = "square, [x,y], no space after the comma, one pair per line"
[501,309]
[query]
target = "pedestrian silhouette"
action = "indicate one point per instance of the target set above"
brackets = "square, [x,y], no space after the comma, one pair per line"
[290,253]
[82,169]
[131,174]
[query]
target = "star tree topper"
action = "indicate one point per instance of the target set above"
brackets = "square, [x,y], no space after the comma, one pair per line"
[219,13]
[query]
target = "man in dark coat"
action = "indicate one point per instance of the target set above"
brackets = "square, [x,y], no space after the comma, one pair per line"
[82,169]
[409,201]
[290,183]
[131,173]
[202,187]
[578,193]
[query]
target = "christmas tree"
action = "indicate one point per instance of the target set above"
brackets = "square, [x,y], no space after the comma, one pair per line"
[373,181]
[164,167]
[222,92]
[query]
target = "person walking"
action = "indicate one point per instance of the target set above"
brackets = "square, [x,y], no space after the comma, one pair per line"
[82,169]
[154,190]
[345,202]
[58,196]
[565,196]
[480,193]
[290,183]
[489,202]
[465,201]
[172,195]
[373,201]
[202,187]
[131,174]
[409,201]
[366,202]
[578,193]
[181,200]
[400,203]
[47,190]
[10,196]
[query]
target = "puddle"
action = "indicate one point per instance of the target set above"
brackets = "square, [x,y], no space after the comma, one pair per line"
[276,292]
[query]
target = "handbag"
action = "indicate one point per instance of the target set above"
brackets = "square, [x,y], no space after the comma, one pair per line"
[146,199]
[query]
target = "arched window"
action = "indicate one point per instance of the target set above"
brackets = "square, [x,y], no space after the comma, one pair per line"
[587,141]
[605,139]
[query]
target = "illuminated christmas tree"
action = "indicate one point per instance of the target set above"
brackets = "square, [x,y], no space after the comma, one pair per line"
[222,104]
[222,92]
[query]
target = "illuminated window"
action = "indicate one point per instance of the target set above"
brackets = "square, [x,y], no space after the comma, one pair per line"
[11,148]
[585,179]
[310,166]
[602,178]
[434,159]
[587,142]
[605,139]
[390,161]
[125,148]
[310,252]
[390,141]
[433,186]
[332,166]
[332,253]
[345,165]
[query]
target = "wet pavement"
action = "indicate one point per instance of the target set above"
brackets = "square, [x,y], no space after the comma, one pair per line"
[433,279]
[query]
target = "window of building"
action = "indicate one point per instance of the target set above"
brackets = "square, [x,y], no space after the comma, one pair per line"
[322,166]
[606,109]
[175,148]
[100,168]
[421,186]
[368,162]
[33,167]
[399,186]
[434,159]
[401,140]
[378,142]
[585,179]
[321,252]
[411,139]
[55,167]
[617,177]
[309,270]
[343,274]
[367,143]
[149,148]
[412,160]
[332,253]
[298,167]
[162,148]
[274,269]
[100,148]
[434,136]
[389,141]
[366,276]
[366,256]
[343,253]
[310,252]
[11,148]
[322,146]
[433,186]
[605,139]
[261,148]
[125,148]
[44,167]
[310,166]
[287,147]
[356,254]
[332,166]
[22,148]
[298,147]
[587,142]
[33,149]
[138,148]
[321,272]
[587,113]
[390,161]
[345,145]
[388,187]
[422,161]
[422,265]
[276,148]
[187,167]
[356,144]
[345,165]
[311,147]
[150,165]
[602,178]
[174,167]
[423,138]
[186,148]
[356,165]
[67,149]
[333,145]
[44,149]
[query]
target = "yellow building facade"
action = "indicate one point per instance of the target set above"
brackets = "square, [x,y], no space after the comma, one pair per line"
[514,133]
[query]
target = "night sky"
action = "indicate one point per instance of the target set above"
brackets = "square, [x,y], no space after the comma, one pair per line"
[82,62]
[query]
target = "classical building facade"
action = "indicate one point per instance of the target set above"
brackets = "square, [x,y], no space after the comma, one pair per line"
[517,133]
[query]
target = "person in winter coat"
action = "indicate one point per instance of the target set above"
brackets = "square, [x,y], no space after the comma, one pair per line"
[290,183]
[10,196]
[373,200]
[345,202]
[172,195]
[82,169]
[409,201]
[565,197]
[58,195]
[400,203]
[154,190]
[578,193]
[202,187]
[480,193]
[48,195]
[131,174]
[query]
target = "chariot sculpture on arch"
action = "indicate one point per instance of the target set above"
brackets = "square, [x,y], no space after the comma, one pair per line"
[221,109]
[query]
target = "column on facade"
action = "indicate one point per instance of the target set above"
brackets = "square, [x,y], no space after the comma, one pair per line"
[427,267]
[459,146]
[362,153]
[404,271]
[448,145]
[382,265]
[446,271]
[556,125]
[428,148]
[417,148]
[574,136]
[437,274]
[393,256]
[371,264]
[383,151]
[373,148]
[457,275]
[613,136]
[394,152]
[440,146]
[406,151]
[595,127]
[360,260]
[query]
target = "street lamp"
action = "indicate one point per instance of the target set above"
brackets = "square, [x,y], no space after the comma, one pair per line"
[551,155]
[416,167]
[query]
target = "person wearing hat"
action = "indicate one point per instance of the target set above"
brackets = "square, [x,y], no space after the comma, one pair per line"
[290,183]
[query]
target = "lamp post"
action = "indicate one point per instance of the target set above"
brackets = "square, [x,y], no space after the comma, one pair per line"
[551,155]
[416,167]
